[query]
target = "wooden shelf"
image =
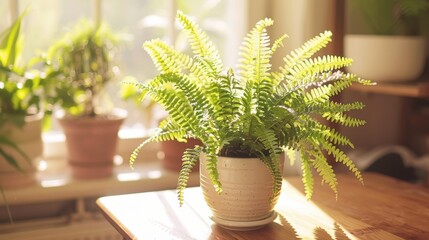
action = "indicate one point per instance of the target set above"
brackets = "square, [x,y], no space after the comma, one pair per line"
[415,89]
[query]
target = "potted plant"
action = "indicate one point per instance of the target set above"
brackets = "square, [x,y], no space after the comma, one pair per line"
[394,46]
[82,63]
[246,120]
[21,100]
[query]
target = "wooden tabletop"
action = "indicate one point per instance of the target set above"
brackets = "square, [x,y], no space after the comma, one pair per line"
[384,208]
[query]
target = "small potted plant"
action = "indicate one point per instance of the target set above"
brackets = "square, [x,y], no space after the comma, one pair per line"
[245,120]
[393,46]
[21,113]
[82,63]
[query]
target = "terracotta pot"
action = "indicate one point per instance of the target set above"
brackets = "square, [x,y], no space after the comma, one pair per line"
[172,152]
[247,187]
[91,143]
[29,140]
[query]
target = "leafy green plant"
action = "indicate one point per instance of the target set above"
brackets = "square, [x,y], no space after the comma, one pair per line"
[81,63]
[257,112]
[389,17]
[21,89]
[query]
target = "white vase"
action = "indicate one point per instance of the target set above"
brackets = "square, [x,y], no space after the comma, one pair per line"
[247,187]
[386,58]
[29,140]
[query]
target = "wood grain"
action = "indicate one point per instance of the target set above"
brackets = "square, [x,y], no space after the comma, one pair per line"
[383,208]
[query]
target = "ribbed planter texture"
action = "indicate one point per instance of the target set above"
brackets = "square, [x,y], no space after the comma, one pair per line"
[386,58]
[29,140]
[245,202]
[91,144]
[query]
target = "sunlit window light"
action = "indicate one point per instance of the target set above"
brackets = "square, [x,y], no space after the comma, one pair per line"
[53,183]
[127,177]
[42,166]
[118,160]
[154,174]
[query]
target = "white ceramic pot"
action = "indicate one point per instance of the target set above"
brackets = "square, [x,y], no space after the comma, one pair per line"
[247,186]
[386,58]
[29,140]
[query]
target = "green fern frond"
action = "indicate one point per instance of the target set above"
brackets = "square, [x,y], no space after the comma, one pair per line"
[321,133]
[345,120]
[335,137]
[273,166]
[333,107]
[168,60]
[341,157]
[200,43]
[306,51]
[309,67]
[229,107]
[254,66]
[211,167]
[318,95]
[168,132]
[325,170]
[278,43]
[189,159]
[307,175]
[179,97]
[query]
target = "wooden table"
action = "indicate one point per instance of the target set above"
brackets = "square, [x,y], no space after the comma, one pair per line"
[383,208]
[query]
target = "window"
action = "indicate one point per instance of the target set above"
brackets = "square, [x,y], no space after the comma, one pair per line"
[47,20]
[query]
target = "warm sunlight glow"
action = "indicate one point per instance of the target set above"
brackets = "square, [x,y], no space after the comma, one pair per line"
[118,160]
[127,177]
[42,166]
[311,218]
[154,174]
[53,183]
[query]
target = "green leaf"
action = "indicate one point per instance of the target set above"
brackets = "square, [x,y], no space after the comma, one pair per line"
[189,159]
[11,45]
[9,158]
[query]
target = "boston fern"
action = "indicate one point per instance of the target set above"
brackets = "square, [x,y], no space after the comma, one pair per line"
[257,112]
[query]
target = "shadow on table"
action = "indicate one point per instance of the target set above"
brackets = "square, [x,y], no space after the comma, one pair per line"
[280,229]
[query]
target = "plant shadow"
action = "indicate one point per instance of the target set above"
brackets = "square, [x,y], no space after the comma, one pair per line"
[280,229]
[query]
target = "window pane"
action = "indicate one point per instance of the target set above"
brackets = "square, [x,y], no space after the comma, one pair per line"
[48,20]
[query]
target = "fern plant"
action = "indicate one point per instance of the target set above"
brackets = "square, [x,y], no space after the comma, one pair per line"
[256,112]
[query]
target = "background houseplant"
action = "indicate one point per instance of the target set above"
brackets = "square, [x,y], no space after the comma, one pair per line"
[21,100]
[170,151]
[81,62]
[257,114]
[391,46]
